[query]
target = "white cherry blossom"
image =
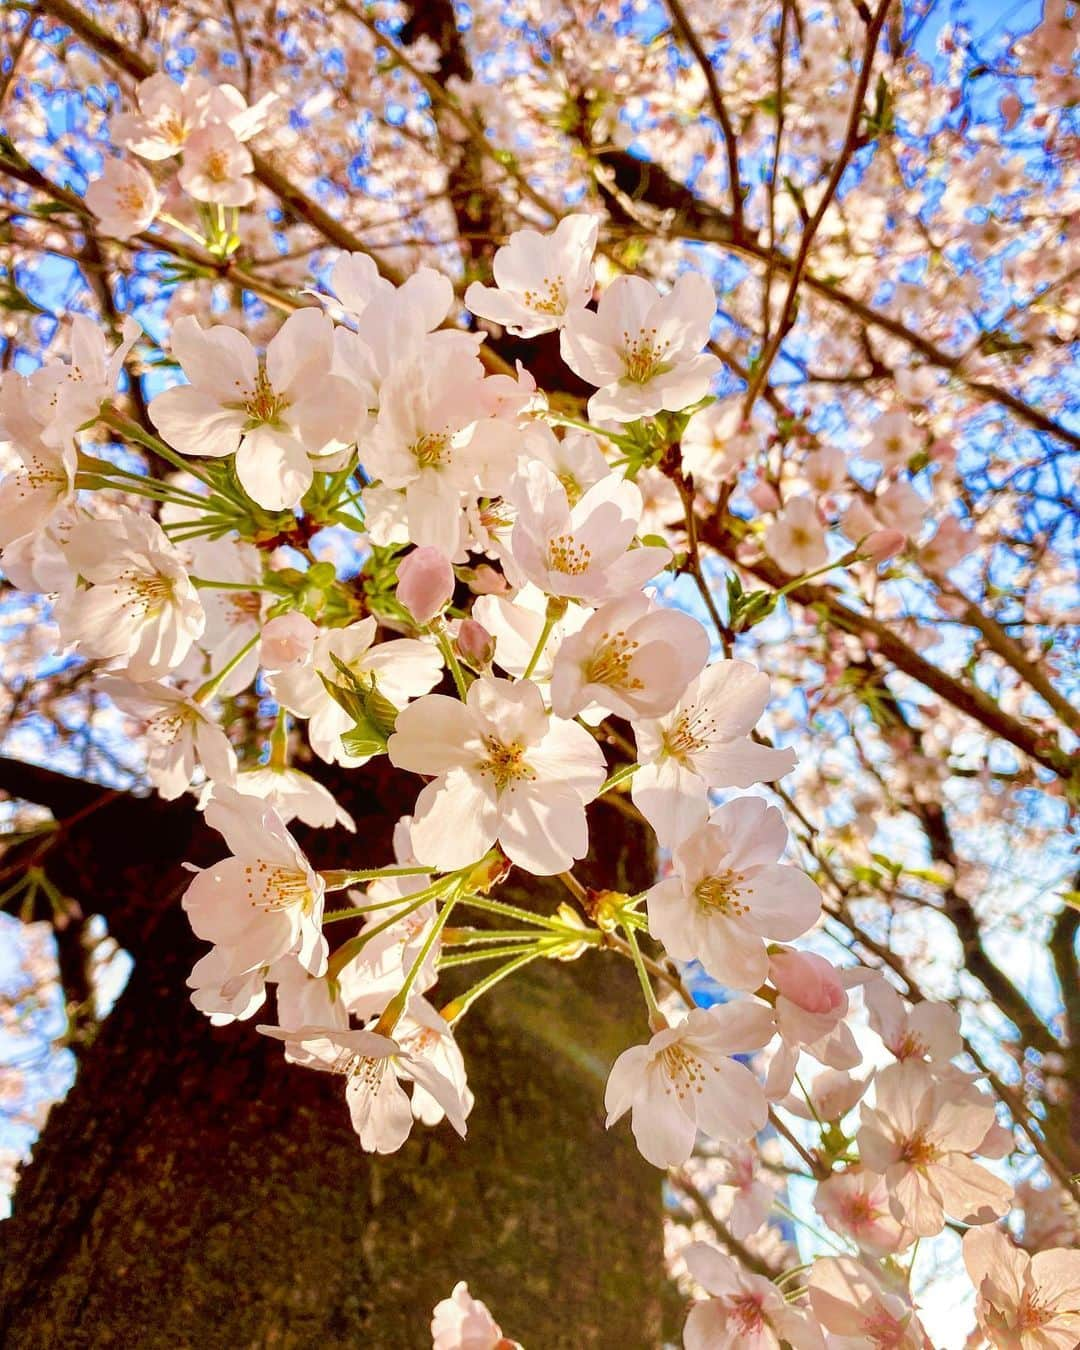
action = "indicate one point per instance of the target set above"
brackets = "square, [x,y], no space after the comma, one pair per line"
[631,657]
[685,1080]
[581,553]
[282,417]
[505,771]
[642,349]
[704,742]
[729,896]
[124,199]
[540,279]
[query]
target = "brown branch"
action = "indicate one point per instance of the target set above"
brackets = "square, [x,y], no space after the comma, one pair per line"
[686,31]
[852,140]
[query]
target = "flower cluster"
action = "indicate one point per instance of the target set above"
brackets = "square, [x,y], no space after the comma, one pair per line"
[493,624]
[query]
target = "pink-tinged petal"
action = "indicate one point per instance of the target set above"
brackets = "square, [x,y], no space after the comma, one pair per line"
[664,1133]
[713,1270]
[671,798]
[1056,1277]
[300,351]
[383,1119]
[914,1200]
[455,821]
[220,360]
[193,422]
[626,1082]
[273,468]
[570,755]
[732,1108]
[542,826]
[709,1326]
[968,1191]
[784,902]
[989,1255]
[433,735]
[423,1072]
[742,763]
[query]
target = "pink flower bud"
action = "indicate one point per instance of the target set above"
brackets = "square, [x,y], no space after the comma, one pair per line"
[475,644]
[486,581]
[287,640]
[883,544]
[425,583]
[809,981]
[764,497]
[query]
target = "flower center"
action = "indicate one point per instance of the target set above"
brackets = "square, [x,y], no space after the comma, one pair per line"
[747,1313]
[38,473]
[918,1151]
[433,449]
[505,763]
[216,166]
[567,556]
[911,1046]
[264,405]
[643,356]
[244,605]
[131,198]
[147,592]
[548,298]
[166,728]
[610,663]
[276,888]
[686,736]
[684,1071]
[883,1330]
[721,893]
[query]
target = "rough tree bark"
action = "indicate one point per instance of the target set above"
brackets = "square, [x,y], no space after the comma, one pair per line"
[193,1190]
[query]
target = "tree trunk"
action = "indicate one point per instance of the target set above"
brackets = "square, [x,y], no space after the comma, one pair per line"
[194,1190]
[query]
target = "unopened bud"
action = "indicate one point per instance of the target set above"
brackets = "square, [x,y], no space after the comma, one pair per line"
[764,497]
[475,645]
[882,545]
[425,583]
[808,980]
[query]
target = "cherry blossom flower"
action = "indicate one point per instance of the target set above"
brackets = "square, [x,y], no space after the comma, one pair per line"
[432,439]
[859,1312]
[894,439]
[423,1034]
[718,440]
[928,1030]
[1024,1302]
[180,733]
[920,1135]
[796,538]
[642,349]
[280,417]
[233,617]
[374,1068]
[64,397]
[169,112]
[39,483]
[744,1311]
[216,167]
[462,1322]
[124,199]
[685,1080]
[540,279]
[264,900]
[516,625]
[704,742]
[855,1204]
[504,771]
[631,657]
[728,895]
[138,608]
[582,553]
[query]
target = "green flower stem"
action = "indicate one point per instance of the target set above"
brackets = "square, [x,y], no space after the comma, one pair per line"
[133,432]
[204,583]
[620,776]
[657,1020]
[391,1014]
[446,647]
[475,937]
[543,946]
[538,650]
[455,1011]
[338,880]
[513,912]
[345,953]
